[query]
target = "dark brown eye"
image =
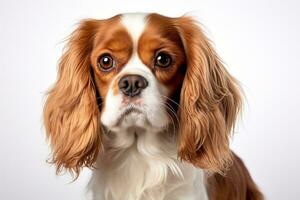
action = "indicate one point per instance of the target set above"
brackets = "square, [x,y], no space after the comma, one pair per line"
[105,62]
[163,60]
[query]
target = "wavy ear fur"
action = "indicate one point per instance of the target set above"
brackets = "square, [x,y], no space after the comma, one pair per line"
[71,112]
[210,101]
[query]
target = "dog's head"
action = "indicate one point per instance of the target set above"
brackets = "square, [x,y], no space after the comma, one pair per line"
[146,71]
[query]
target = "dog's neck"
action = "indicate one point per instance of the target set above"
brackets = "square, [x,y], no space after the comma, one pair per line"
[141,164]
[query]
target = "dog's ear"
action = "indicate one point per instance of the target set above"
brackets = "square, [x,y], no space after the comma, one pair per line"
[210,101]
[71,112]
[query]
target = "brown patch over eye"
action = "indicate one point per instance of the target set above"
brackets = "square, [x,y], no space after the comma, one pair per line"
[105,62]
[161,49]
[112,48]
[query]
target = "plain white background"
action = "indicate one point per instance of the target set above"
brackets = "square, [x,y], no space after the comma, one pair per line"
[258,40]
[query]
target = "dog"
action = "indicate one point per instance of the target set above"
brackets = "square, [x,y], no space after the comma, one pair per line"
[146,103]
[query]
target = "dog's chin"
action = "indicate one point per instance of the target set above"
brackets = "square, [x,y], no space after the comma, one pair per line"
[132,117]
[128,117]
[135,117]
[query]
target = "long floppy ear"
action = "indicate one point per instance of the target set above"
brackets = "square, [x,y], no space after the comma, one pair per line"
[210,101]
[71,112]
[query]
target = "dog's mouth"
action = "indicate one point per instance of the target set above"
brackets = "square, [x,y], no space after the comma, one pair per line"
[129,112]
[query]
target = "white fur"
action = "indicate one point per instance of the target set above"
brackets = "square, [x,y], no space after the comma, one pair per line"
[140,160]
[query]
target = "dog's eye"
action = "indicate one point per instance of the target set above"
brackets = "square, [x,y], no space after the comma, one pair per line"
[105,62]
[163,60]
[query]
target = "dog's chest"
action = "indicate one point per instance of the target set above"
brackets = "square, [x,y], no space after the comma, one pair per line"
[147,169]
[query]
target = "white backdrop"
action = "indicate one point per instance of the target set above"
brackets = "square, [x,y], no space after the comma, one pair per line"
[258,40]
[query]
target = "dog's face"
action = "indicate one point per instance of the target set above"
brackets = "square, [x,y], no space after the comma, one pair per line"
[138,62]
[144,71]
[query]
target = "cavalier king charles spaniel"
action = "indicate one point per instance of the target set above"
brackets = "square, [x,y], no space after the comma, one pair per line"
[145,101]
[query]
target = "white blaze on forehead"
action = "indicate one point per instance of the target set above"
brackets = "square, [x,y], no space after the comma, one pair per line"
[135,25]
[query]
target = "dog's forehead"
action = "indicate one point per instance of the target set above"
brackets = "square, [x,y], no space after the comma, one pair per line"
[128,29]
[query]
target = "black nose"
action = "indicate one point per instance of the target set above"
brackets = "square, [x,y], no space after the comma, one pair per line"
[132,85]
